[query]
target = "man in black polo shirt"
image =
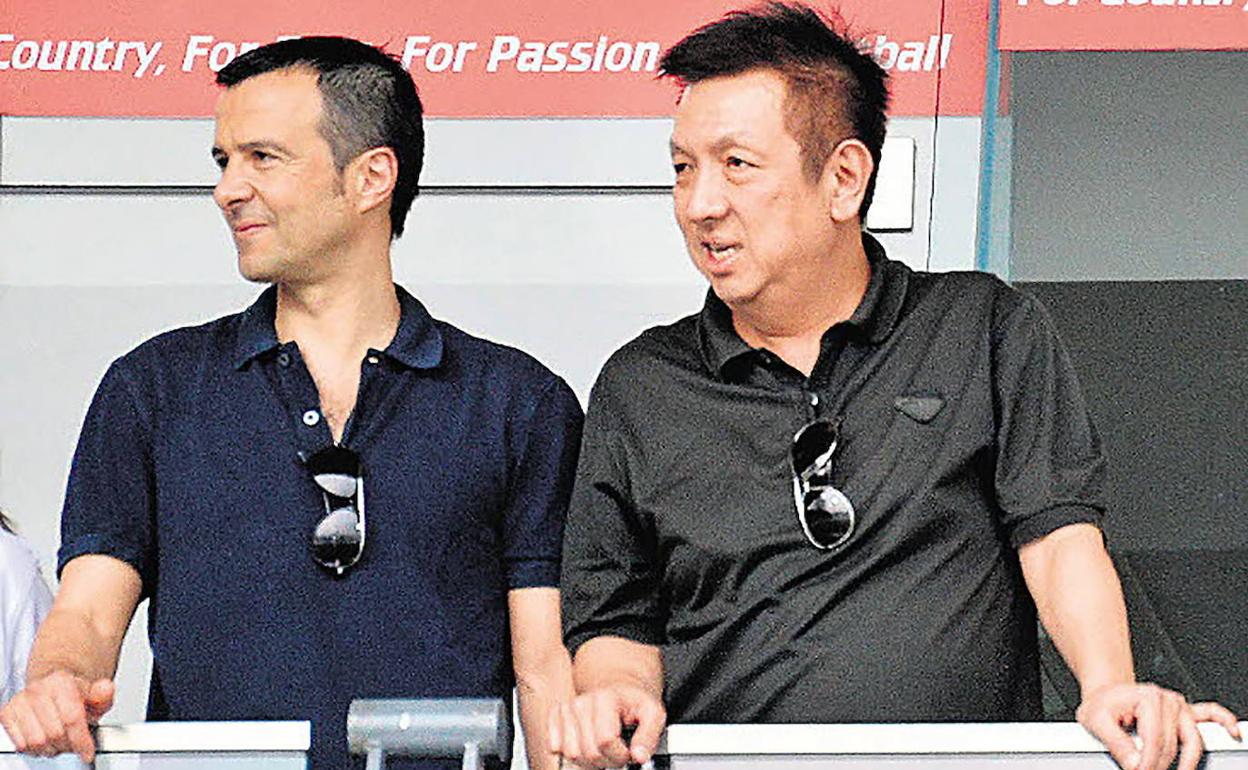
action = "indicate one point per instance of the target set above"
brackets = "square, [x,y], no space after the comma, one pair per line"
[841,492]
[331,495]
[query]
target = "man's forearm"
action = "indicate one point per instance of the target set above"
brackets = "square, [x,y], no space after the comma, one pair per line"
[542,665]
[82,635]
[68,641]
[1079,599]
[538,693]
[611,661]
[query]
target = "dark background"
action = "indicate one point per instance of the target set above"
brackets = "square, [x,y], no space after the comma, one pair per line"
[1164,367]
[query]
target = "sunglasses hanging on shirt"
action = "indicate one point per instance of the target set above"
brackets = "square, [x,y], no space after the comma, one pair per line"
[338,539]
[825,513]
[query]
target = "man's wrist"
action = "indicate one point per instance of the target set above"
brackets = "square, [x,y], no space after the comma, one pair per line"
[1090,688]
[44,671]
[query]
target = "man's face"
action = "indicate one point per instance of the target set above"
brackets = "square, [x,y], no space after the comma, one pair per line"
[280,193]
[754,223]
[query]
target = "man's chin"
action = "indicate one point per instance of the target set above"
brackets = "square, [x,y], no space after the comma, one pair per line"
[255,269]
[731,293]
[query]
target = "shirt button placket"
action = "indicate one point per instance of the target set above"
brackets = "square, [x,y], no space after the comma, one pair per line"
[810,402]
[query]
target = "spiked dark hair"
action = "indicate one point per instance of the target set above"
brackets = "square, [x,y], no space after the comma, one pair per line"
[369,101]
[835,91]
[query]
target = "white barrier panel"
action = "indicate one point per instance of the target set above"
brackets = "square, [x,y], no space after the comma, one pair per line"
[183,746]
[1003,746]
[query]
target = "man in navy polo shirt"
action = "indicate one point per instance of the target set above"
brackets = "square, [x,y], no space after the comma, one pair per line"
[330,495]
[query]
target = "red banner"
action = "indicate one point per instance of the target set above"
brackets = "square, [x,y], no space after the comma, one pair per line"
[1123,25]
[474,58]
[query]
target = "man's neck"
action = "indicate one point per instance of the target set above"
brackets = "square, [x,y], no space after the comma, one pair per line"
[346,316]
[791,322]
[335,322]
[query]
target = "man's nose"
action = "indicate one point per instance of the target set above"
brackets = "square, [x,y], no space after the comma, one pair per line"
[706,197]
[232,188]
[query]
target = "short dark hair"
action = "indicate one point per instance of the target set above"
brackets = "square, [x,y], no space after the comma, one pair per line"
[369,101]
[835,91]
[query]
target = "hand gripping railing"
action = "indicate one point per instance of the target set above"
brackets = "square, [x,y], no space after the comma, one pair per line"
[430,728]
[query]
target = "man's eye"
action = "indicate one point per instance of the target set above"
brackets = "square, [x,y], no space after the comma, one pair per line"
[735,162]
[263,158]
[680,168]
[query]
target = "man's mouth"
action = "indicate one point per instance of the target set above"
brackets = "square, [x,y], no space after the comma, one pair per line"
[247,228]
[718,251]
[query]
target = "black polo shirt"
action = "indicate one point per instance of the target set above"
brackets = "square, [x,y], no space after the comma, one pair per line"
[964,436]
[188,470]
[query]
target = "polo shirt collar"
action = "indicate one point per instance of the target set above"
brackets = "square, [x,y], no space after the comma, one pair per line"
[256,333]
[417,344]
[874,318]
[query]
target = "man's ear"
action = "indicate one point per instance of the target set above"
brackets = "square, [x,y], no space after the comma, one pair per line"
[371,177]
[845,177]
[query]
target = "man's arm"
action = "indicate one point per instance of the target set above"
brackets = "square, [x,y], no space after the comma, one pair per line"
[1079,598]
[621,685]
[69,679]
[542,664]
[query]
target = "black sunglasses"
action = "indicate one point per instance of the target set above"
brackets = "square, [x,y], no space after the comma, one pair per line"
[338,540]
[825,513]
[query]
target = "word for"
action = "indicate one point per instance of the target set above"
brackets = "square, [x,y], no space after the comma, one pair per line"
[217,53]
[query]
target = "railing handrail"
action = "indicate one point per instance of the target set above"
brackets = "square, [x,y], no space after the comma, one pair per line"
[183,737]
[901,739]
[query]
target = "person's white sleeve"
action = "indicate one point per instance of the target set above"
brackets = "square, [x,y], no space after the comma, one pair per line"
[24,611]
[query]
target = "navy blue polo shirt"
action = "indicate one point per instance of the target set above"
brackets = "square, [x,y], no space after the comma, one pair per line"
[187,469]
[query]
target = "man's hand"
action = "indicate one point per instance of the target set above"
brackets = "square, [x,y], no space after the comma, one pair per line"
[589,730]
[52,715]
[1164,722]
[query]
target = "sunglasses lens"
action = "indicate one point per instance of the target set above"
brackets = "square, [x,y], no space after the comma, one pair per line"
[336,541]
[336,460]
[829,515]
[337,484]
[812,442]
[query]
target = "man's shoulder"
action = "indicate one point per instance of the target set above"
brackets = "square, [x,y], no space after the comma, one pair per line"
[967,283]
[175,349]
[965,309]
[655,353]
[495,362]
[970,293]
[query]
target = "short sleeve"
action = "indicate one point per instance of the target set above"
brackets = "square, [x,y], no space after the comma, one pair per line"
[1050,469]
[610,582]
[110,499]
[541,483]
